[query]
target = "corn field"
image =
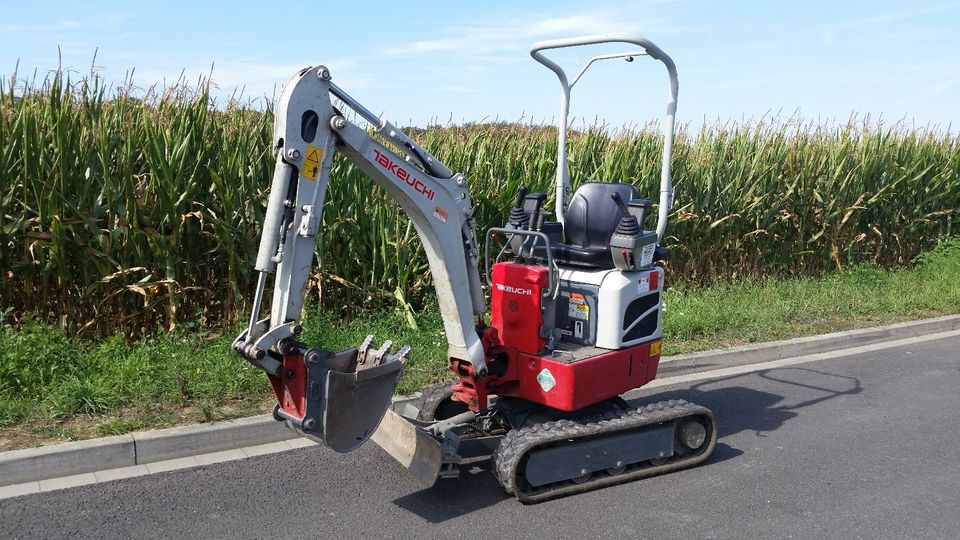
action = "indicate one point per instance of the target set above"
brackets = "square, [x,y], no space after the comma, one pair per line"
[129,211]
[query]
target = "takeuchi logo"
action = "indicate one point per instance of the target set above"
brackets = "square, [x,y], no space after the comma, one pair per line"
[403,174]
[514,290]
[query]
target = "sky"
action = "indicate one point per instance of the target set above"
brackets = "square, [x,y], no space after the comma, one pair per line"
[455,61]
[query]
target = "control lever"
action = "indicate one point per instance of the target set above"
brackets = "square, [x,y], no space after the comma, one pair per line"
[532,203]
[543,217]
[628,225]
[517,214]
[620,204]
[521,194]
[537,200]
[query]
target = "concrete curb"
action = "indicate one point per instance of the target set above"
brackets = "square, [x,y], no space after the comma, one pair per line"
[140,448]
[17,466]
[178,442]
[55,461]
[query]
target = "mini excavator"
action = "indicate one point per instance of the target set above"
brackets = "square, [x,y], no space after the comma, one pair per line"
[575,309]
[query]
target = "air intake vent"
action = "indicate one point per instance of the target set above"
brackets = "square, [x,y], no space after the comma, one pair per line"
[646,327]
[513,306]
[638,307]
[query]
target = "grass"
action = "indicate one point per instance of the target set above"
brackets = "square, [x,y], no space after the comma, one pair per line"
[54,387]
[750,311]
[128,212]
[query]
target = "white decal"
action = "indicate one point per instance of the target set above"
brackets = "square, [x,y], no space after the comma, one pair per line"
[546,380]
[643,286]
[646,256]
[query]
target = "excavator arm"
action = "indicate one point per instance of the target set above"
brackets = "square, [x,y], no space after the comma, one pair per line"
[340,397]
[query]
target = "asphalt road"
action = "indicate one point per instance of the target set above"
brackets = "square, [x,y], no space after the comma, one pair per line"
[862,446]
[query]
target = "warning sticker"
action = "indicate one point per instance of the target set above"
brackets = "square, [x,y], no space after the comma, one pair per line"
[655,348]
[311,165]
[546,380]
[577,307]
[643,286]
[646,256]
[648,282]
[440,214]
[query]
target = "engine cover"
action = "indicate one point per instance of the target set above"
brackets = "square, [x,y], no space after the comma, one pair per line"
[516,303]
[606,340]
[610,309]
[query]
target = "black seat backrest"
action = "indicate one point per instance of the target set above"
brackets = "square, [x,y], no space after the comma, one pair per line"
[592,215]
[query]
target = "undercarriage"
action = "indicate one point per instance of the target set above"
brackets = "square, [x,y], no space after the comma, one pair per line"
[540,453]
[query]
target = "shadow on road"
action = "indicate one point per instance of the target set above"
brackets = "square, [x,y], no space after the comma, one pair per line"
[745,408]
[476,489]
[737,408]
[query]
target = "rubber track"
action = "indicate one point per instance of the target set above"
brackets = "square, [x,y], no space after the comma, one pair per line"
[519,442]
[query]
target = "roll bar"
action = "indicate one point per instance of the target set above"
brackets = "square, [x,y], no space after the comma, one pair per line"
[648,49]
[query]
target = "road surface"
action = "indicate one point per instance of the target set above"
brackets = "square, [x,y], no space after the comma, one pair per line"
[862,446]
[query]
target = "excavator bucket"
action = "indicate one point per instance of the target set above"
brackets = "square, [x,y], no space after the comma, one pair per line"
[338,399]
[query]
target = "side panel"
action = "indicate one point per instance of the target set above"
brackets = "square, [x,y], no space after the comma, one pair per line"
[516,305]
[574,385]
[630,308]
[577,312]
[610,309]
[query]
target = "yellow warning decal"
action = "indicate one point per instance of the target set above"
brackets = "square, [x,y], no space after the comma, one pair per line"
[655,348]
[311,165]
[578,307]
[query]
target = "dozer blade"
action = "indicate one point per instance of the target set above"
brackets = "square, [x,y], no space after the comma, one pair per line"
[412,447]
[338,399]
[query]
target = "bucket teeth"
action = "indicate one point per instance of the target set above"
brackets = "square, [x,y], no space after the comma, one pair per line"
[364,349]
[369,357]
[401,355]
[381,354]
[366,352]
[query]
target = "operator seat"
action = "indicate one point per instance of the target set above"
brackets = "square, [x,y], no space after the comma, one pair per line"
[591,218]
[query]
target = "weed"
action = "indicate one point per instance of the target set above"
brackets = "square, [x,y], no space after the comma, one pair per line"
[119,426]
